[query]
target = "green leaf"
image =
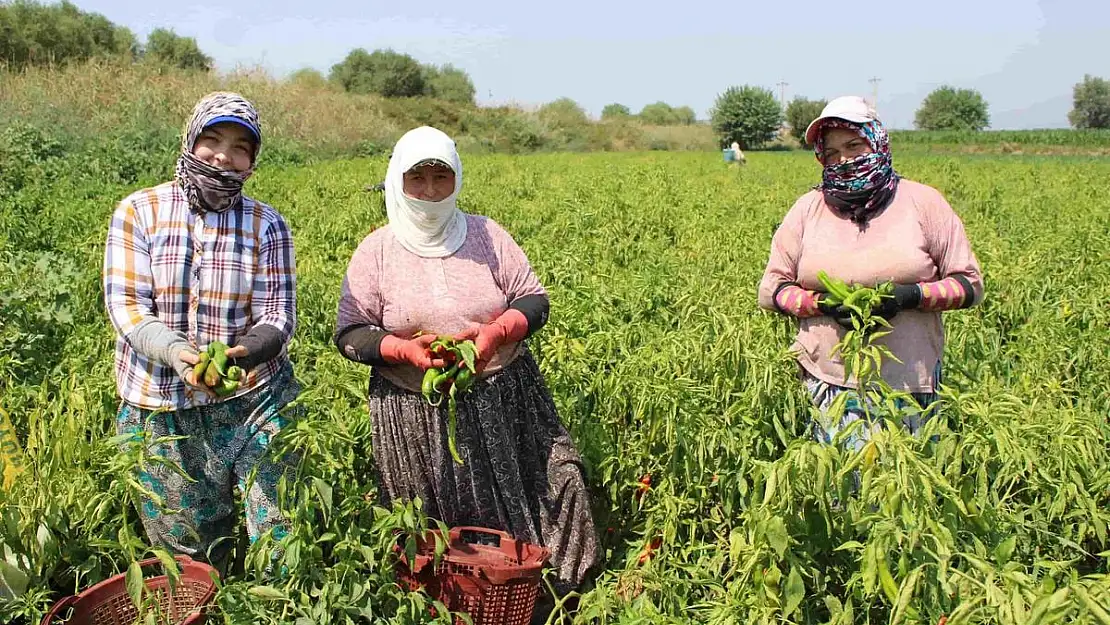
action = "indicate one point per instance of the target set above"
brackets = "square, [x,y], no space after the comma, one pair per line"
[13,582]
[169,565]
[904,596]
[1005,550]
[135,585]
[267,593]
[795,591]
[325,491]
[410,550]
[776,534]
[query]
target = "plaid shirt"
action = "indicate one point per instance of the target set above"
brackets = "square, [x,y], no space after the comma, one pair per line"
[212,277]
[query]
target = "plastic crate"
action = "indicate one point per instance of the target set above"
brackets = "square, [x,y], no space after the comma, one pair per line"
[485,573]
[108,603]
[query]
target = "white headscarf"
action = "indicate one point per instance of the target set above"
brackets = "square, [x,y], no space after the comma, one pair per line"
[428,229]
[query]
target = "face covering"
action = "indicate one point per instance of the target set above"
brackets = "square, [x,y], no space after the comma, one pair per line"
[427,229]
[864,186]
[209,188]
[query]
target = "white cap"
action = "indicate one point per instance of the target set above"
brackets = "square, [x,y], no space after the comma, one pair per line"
[850,107]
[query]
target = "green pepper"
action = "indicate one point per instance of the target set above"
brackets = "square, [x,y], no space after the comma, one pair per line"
[838,291]
[452,407]
[219,356]
[428,387]
[226,387]
[234,373]
[211,375]
[445,376]
[198,369]
[464,380]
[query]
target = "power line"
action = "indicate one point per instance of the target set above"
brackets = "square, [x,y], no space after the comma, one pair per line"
[782,85]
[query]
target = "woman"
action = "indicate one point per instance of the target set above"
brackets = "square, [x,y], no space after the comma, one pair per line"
[438,270]
[865,224]
[189,262]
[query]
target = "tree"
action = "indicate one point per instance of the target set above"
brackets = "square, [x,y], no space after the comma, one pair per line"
[800,113]
[562,113]
[448,83]
[384,72]
[748,115]
[659,114]
[126,44]
[308,77]
[663,114]
[168,48]
[948,108]
[37,34]
[615,111]
[683,116]
[1091,107]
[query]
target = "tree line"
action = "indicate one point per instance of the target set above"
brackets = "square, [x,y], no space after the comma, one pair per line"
[36,34]
[754,117]
[33,34]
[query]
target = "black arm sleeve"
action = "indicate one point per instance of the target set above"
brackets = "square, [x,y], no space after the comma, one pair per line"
[263,343]
[362,344]
[535,309]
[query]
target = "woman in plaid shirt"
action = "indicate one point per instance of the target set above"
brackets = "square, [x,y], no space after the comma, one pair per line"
[189,262]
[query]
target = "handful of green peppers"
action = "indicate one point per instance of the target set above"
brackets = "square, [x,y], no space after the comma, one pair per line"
[856,298]
[456,377]
[212,370]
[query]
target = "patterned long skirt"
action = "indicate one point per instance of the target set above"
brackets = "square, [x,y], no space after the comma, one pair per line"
[520,474]
[826,428]
[227,445]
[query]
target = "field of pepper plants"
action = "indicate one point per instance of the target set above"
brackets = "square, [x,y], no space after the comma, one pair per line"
[713,504]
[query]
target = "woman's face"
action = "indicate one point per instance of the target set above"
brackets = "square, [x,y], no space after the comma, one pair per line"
[227,146]
[431,183]
[842,145]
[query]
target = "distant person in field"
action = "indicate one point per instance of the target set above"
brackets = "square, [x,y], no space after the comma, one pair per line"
[737,155]
[189,262]
[438,270]
[865,224]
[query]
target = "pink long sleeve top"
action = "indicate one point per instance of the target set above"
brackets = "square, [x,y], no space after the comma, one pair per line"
[918,238]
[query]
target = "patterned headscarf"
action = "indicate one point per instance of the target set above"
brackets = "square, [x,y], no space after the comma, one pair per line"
[865,185]
[209,188]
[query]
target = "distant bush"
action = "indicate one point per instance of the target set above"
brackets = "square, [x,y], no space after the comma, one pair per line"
[748,115]
[164,47]
[448,83]
[384,72]
[663,114]
[948,108]
[1091,108]
[613,111]
[800,113]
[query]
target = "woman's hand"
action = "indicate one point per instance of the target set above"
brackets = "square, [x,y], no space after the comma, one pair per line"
[191,358]
[906,297]
[488,338]
[413,352]
[839,313]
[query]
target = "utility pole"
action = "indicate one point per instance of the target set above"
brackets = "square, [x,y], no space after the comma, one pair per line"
[875,93]
[782,92]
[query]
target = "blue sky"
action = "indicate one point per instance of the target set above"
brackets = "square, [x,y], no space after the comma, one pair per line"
[1023,55]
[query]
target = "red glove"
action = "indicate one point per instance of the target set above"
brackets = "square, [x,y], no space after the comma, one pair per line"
[413,352]
[510,327]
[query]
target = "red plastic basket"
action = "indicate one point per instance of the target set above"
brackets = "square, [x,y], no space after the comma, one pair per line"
[108,603]
[486,573]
